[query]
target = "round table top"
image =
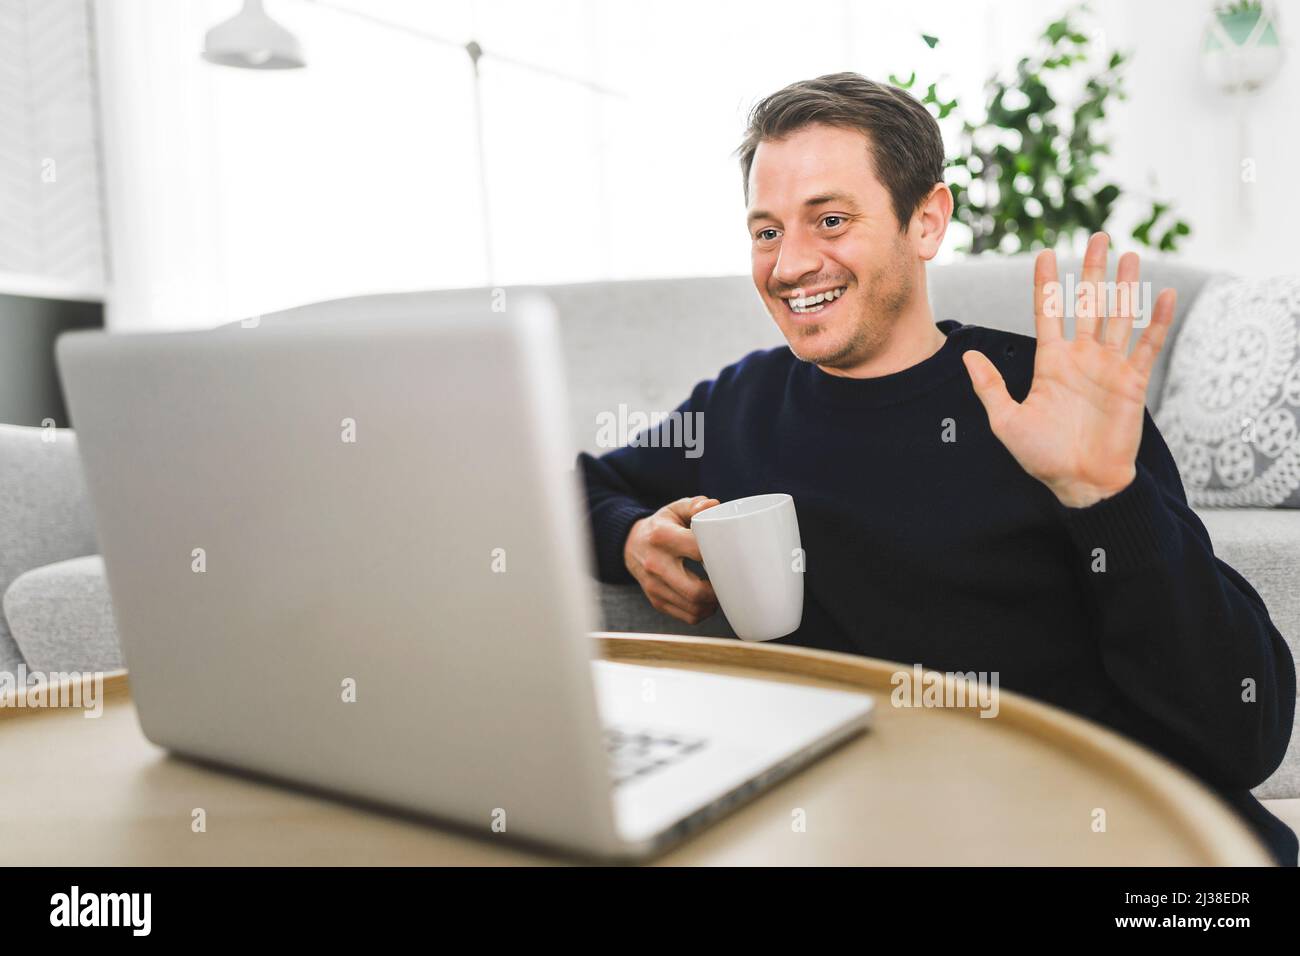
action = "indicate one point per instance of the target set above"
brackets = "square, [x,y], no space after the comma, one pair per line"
[925,786]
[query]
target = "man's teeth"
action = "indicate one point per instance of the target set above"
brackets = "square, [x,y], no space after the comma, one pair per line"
[815,303]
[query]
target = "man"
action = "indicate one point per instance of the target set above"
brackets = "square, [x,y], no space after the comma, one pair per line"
[968,499]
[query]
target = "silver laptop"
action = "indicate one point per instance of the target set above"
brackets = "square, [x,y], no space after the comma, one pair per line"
[347,553]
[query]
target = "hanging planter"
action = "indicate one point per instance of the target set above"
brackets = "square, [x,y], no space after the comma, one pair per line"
[1240,49]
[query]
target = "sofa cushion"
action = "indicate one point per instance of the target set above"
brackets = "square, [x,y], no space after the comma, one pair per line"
[1231,405]
[62,617]
[44,510]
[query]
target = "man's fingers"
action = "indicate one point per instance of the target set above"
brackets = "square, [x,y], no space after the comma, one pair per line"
[664,606]
[701,503]
[1148,347]
[685,508]
[990,388]
[689,589]
[1119,325]
[675,540]
[1090,308]
[670,602]
[666,570]
[1049,310]
[669,586]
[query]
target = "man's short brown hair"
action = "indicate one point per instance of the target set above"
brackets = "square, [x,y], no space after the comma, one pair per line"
[906,147]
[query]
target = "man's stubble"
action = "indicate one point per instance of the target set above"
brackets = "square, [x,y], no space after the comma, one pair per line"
[882,303]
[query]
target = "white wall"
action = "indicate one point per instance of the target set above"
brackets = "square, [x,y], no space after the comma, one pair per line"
[238,192]
[235,192]
[1179,137]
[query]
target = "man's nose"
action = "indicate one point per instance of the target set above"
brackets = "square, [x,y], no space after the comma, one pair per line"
[798,258]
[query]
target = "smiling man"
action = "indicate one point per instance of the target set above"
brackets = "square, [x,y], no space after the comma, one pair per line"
[969,499]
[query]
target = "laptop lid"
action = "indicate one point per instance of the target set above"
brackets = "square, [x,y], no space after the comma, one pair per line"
[346,554]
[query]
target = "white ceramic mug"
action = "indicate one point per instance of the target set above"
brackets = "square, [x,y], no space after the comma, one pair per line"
[752,555]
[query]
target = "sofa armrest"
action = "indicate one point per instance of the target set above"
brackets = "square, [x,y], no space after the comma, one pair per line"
[61,617]
[45,512]
[623,607]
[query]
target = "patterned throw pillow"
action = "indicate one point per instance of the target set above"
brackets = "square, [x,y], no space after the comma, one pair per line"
[1231,405]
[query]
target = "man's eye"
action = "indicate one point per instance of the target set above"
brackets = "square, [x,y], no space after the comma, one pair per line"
[832,222]
[767,235]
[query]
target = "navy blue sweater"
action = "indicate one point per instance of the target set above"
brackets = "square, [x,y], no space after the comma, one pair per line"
[948,554]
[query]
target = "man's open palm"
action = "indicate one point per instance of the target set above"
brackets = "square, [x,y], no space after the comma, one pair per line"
[1079,428]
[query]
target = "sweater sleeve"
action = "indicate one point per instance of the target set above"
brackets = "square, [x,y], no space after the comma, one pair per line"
[1184,638]
[654,468]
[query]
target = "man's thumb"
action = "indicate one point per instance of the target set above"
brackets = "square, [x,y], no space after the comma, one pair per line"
[989,386]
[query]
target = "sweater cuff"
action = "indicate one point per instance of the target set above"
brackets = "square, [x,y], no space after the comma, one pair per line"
[612,526]
[1133,528]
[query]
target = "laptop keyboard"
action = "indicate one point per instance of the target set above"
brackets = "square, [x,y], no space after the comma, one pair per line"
[635,754]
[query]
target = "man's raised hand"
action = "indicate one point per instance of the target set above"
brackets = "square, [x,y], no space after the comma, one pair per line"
[1079,428]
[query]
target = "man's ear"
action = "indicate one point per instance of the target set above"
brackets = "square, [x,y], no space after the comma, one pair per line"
[931,221]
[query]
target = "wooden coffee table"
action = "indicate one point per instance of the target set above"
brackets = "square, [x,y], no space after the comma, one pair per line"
[926,786]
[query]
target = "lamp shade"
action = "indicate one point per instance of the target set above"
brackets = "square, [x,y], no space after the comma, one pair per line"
[251,40]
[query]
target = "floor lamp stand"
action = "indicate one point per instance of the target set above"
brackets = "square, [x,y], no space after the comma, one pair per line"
[475,53]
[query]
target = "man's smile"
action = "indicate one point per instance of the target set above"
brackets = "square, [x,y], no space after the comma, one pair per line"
[803,302]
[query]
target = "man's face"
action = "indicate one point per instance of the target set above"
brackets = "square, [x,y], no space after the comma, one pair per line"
[821,223]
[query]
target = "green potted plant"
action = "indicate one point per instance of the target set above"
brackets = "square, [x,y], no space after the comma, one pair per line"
[1024,174]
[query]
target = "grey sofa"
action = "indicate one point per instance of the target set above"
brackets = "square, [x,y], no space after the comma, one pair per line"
[641,343]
